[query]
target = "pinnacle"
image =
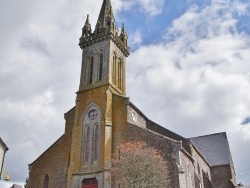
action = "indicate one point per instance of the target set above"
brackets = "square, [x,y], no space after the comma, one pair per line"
[87,21]
[123,28]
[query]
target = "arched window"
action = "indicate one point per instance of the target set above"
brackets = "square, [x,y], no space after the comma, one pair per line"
[91,135]
[114,69]
[101,67]
[46,181]
[87,143]
[96,142]
[91,70]
[120,74]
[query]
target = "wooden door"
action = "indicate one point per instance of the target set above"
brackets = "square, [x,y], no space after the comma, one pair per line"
[90,183]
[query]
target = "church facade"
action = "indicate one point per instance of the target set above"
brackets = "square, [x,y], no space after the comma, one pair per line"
[104,117]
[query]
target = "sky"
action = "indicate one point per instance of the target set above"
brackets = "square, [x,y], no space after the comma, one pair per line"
[188,70]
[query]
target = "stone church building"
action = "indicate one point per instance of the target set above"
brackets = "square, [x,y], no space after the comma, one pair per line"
[104,117]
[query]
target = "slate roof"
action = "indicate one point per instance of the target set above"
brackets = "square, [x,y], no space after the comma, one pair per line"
[214,148]
[16,186]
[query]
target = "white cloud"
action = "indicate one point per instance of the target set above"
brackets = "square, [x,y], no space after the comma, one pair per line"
[147,7]
[40,70]
[135,39]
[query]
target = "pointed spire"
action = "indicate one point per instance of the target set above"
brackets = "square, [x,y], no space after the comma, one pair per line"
[106,17]
[87,25]
[87,21]
[123,28]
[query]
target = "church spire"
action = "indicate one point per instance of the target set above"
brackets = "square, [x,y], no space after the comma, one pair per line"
[105,28]
[106,19]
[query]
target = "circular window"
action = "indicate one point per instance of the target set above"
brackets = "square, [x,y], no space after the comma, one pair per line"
[93,114]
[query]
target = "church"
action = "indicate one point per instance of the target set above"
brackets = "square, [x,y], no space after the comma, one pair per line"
[103,117]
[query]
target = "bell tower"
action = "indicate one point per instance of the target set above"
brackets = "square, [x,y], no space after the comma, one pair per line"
[103,78]
[103,53]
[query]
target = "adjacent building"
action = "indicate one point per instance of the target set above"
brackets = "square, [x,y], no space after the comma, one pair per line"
[16,186]
[3,150]
[104,117]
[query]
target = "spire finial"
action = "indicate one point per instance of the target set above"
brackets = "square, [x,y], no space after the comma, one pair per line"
[87,20]
[123,28]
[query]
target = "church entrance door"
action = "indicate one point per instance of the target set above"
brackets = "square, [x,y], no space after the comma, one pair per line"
[90,183]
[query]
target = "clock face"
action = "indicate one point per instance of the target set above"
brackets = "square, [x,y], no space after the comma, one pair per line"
[133,114]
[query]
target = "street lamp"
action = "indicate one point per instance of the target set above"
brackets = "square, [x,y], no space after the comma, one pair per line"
[7,176]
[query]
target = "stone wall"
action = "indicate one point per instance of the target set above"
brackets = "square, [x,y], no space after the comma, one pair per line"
[187,171]
[160,143]
[134,117]
[170,134]
[54,161]
[221,176]
[201,167]
[77,171]
[206,181]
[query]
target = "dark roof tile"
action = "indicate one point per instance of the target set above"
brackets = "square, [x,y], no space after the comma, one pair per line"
[214,148]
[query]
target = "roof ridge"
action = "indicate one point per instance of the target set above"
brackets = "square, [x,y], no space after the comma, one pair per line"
[208,135]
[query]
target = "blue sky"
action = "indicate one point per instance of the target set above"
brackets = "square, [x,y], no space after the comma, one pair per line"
[152,26]
[188,70]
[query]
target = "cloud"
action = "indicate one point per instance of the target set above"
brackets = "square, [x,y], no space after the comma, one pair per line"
[196,81]
[146,7]
[135,39]
[39,58]
[22,123]
[239,139]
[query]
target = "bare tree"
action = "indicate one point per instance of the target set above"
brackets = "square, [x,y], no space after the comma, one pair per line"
[139,166]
